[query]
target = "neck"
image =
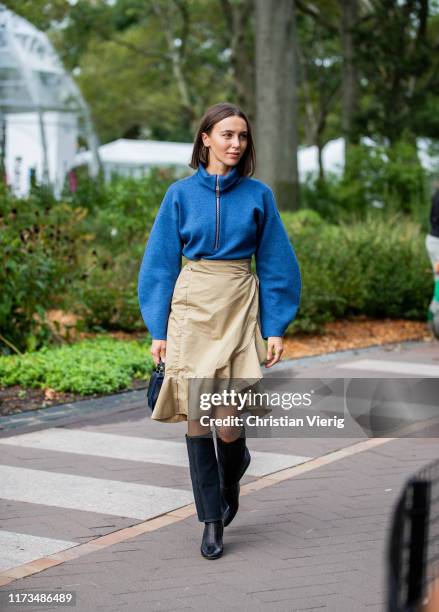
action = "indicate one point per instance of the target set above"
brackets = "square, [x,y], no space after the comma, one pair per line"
[217,167]
[211,176]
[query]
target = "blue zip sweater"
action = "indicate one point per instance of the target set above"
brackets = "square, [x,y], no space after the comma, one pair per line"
[207,216]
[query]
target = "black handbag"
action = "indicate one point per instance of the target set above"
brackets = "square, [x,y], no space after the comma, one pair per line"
[155,384]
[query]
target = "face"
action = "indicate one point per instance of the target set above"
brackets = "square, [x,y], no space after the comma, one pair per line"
[227,140]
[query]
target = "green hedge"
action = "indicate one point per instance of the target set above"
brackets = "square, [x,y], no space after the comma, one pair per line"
[377,267]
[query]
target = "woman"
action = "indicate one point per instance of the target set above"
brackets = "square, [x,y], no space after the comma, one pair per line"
[432,245]
[208,320]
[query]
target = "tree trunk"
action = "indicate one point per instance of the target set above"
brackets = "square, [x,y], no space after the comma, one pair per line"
[276,99]
[237,14]
[349,16]
[320,161]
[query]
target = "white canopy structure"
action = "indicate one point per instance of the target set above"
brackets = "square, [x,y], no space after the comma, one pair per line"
[41,108]
[135,157]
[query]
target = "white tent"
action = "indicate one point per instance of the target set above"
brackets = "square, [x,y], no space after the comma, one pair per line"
[135,157]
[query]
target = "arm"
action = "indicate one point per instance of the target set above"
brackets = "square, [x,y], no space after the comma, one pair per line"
[160,268]
[278,273]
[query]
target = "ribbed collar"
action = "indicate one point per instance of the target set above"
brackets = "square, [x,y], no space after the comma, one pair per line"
[209,180]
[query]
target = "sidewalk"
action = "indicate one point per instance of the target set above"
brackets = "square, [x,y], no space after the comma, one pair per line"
[311,536]
[315,541]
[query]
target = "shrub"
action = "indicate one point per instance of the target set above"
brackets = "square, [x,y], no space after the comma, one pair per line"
[40,239]
[102,365]
[106,296]
[379,269]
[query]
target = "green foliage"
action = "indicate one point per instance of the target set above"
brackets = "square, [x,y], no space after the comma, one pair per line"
[124,65]
[389,179]
[127,207]
[106,295]
[40,239]
[81,254]
[395,268]
[303,220]
[396,52]
[104,304]
[377,268]
[319,83]
[103,365]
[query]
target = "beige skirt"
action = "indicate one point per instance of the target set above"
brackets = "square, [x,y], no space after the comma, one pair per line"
[213,332]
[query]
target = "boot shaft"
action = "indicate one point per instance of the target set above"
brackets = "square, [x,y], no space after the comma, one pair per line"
[233,460]
[203,467]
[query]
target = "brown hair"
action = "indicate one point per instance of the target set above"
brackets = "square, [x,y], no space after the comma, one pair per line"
[214,114]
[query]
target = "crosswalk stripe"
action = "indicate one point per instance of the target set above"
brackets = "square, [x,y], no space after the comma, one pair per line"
[392,367]
[98,495]
[130,448]
[19,548]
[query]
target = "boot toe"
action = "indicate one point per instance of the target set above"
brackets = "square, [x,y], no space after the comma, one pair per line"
[211,552]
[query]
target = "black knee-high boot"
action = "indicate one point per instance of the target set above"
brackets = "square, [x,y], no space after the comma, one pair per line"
[203,467]
[233,460]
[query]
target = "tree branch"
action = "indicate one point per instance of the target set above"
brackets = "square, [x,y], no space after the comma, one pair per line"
[314,12]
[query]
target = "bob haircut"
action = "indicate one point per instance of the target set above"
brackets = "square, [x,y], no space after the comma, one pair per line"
[214,114]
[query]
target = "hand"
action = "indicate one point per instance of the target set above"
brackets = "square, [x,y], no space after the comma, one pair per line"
[275,349]
[158,351]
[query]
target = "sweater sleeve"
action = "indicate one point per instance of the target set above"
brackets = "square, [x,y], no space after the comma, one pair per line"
[160,267]
[278,272]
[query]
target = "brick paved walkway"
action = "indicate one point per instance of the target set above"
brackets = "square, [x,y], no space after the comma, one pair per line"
[313,542]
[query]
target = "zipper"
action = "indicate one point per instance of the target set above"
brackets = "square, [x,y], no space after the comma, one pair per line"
[217,190]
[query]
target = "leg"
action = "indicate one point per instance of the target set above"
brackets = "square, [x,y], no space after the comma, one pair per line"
[206,487]
[194,428]
[227,433]
[233,460]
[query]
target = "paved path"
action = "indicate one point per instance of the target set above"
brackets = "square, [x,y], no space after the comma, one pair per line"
[310,534]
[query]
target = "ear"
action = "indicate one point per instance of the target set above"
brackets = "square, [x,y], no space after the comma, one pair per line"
[206,139]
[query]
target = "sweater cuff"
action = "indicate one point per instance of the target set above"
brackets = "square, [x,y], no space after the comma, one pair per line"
[270,333]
